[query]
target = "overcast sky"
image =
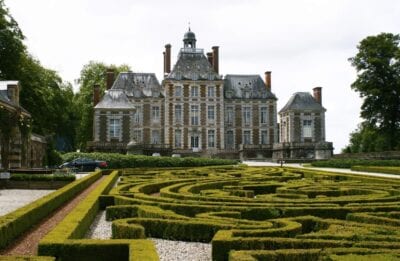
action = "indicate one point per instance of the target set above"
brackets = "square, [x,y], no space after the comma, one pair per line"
[305,43]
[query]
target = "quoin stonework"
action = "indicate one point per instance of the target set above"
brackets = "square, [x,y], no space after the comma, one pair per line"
[197,111]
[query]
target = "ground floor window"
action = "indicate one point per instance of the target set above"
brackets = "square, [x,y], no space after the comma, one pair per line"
[194,141]
[155,137]
[115,128]
[211,138]
[246,137]
[178,138]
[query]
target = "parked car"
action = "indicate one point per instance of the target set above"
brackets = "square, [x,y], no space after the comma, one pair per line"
[84,164]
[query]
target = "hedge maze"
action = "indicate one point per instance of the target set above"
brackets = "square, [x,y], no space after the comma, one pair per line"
[254,213]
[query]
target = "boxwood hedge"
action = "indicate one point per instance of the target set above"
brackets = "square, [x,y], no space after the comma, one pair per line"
[116,161]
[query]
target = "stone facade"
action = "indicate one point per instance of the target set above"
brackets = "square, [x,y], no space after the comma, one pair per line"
[302,129]
[194,111]
[22,152]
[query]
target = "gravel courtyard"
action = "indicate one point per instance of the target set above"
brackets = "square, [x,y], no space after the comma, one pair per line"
[11,199]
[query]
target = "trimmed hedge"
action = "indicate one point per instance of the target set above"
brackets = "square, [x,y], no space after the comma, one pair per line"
[348,163]
[387,170]
[27,258]
[116,161]
[17,222]
[65,242]
[77,222]
[42,177]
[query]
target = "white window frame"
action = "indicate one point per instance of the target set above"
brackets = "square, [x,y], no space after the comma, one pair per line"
[155,139]
[230,115]
[307,128]
[246,115]
[211,113]
[211,91]
[211,138]
[155,114]
[178,138]
[194,91]
[194,115]
[228,144]
[247,133]
[137,135]
[115,125]
[263,138]
[178,116]
[264,115]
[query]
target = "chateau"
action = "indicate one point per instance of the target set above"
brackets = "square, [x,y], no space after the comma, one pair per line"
[194,111]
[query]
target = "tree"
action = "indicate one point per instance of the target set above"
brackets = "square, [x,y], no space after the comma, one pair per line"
[91,74]
[11,45]
[378,83]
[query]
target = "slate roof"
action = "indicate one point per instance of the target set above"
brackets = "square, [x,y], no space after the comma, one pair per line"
[4,93]
[301,101]
[115,99]
[138,85]
[193,65]
[235,87]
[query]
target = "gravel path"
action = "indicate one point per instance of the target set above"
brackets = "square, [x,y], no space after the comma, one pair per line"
[12,199]
[168,250]
[27,243]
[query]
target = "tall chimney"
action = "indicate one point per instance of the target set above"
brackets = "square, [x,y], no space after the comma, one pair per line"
[13,92]
[96,94]
[167,58]
[164,62]
[110,78]
[318,94]
[215,59]
[268,80]
[210,58]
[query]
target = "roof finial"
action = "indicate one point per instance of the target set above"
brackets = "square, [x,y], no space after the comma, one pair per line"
[189,26]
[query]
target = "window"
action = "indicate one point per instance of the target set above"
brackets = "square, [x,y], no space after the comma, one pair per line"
[307,128]
[229,115]
[137,136]
[195,115]
[229,139]
[155,113]
[246,137]
[137,116]
[264,137]
[178,91]
[246,115]
[211,138]
[211,91]
[155,137]
[263,115]
[211,113]
[194,91]
[194,141]
[115,128]
[178,113]
[178,138]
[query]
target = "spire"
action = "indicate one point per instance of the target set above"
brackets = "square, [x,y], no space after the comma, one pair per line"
[189,39]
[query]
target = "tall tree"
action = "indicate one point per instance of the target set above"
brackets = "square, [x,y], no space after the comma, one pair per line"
[11,45]
[378,83]
[91,74]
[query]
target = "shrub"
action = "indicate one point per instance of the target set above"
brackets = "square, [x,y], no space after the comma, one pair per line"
[116,160]
[379,169]
[348,163]
[17,222]
[42,177]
